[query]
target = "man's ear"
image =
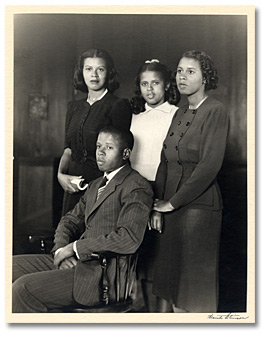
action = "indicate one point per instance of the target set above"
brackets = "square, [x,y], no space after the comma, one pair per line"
[126,153]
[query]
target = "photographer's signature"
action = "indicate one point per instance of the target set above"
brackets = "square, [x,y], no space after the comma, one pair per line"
[230,315]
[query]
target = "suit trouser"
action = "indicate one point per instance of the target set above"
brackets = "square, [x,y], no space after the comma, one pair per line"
[38,286]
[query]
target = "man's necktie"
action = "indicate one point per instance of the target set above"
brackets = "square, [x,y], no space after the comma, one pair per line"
[102,186]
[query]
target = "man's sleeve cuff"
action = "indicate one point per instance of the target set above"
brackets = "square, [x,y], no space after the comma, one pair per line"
[75,249]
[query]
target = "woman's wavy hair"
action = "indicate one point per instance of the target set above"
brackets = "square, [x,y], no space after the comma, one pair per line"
[172,94]
[111,83]
[208,68]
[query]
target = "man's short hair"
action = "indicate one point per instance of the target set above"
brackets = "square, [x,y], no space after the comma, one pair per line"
[124,136]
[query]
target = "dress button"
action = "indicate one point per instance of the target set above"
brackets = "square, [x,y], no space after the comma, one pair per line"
[172,133]
[188,123]
[164,146]
[176,148]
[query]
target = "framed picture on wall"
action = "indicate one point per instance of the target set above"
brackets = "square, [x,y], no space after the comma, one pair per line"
[207,149]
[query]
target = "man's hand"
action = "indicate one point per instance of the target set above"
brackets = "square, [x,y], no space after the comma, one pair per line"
[65,252]
[68,263]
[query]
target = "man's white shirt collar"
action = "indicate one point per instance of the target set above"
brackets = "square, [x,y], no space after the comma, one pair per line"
[112,174]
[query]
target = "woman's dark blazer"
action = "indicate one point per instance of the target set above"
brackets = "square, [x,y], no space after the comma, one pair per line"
[192,156]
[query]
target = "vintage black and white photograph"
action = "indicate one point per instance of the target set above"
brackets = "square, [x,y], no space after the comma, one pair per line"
[132,164]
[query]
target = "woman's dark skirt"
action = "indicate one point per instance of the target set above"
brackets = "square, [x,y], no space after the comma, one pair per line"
[186,266]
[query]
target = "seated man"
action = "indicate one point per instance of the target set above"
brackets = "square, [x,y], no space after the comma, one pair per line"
[111,218]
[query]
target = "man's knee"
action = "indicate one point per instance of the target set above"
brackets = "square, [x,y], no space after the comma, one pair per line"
[18,287]
[18,294]
[22,299]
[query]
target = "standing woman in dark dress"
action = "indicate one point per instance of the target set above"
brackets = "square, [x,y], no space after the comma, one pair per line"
[95,74]
[188,196]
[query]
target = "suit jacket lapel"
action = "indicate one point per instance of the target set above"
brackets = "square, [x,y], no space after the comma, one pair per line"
[92,203]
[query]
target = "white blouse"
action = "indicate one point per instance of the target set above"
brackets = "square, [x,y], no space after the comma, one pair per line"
[149,129]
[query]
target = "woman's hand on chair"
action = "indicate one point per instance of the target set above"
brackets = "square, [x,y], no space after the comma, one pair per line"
[156,221]
[162,206]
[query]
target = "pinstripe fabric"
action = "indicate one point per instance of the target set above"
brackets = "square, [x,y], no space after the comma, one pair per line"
[115,222]
[39,286]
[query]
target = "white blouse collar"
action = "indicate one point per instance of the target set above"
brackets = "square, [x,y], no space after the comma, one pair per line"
[164,107]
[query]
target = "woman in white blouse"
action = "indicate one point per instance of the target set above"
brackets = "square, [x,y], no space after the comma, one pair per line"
[154,106]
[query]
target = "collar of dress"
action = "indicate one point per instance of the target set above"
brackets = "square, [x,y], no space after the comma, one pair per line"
[98,99]
[164,107]
[199,104]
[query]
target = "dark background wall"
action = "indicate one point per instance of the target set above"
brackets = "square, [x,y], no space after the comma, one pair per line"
[46,47]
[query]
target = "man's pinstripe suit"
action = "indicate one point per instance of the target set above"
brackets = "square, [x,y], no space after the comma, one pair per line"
[115,222]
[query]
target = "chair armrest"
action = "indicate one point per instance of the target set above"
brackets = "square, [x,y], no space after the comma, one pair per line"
[103,258]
